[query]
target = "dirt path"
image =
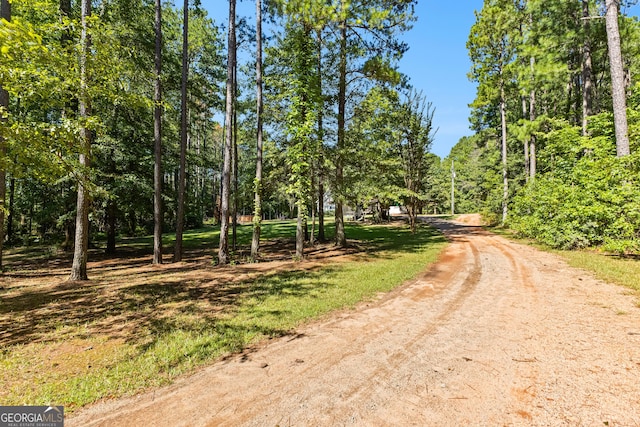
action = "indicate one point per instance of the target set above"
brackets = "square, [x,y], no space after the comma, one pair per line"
[496,334]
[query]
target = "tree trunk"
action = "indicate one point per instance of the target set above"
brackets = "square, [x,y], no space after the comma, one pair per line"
[3,177]
[570,96]
[234,166]
[341,238]
[69,235]
[526,141]
[178,250]
[201,148]
[216,194]
[321,236]
[303,143]
[80,251]
[453,188]
[5,13]
[532,117]
[314,209]
[111,227]
[223,252]
[257,203]
[505,181]
[617,79]
[12,192]
[157,137]
[300,225]
[412,209]
[587,69]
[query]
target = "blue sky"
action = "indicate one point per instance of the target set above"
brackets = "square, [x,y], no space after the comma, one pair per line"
[436,63]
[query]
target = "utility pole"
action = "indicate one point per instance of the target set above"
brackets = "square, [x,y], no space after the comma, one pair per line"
[453,182]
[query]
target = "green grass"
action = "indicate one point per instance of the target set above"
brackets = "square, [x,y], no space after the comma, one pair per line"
[610,268]
[175,322]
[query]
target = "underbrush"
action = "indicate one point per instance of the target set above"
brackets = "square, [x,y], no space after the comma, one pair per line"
[586,197]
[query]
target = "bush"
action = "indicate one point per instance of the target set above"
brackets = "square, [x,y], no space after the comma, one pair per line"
[586,196]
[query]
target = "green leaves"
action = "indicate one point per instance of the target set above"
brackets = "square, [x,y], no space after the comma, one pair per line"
[389,141]
[586,197]
[380,70]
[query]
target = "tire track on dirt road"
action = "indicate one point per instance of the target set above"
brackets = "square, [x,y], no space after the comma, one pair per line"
[450,283]
[506,295]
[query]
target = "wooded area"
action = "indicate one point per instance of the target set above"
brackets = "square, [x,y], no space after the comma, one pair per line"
[102,138]
[111,122]
[555,153]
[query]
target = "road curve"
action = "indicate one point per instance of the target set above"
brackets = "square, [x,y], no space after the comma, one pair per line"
[496,333]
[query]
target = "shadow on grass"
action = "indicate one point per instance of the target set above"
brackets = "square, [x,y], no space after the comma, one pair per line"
[251,309]
[135,312]
[131,300]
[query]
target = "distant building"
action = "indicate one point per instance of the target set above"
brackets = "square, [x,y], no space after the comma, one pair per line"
[397,210]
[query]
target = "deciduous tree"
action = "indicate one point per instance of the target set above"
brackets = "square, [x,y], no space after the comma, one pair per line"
[492,47]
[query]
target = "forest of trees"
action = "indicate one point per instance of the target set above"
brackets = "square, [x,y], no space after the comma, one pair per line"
[130,117]
[556,121]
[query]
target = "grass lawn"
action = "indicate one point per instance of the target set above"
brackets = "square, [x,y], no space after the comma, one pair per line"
[135,326]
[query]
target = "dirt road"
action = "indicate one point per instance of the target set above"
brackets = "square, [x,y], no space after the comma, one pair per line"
[495,334]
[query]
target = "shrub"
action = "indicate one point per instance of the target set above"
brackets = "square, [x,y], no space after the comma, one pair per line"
[585,196]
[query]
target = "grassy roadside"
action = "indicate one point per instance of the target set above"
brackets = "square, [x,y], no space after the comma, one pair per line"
[622,271]
[610,268]
[136,327]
